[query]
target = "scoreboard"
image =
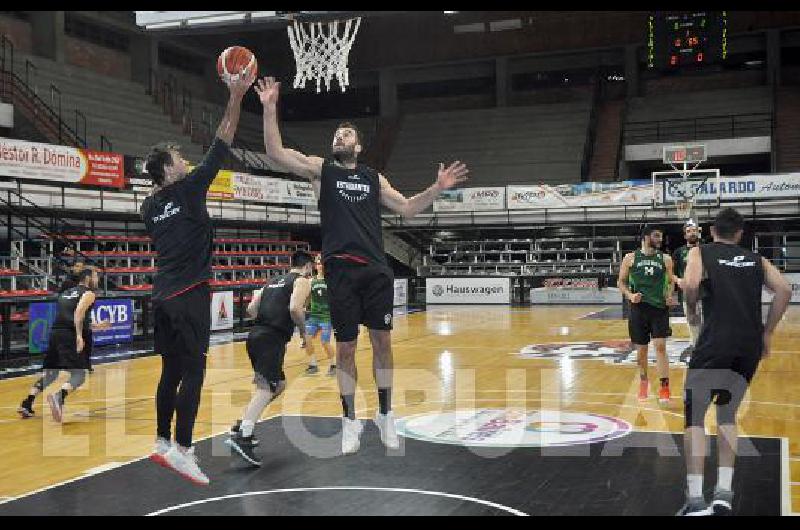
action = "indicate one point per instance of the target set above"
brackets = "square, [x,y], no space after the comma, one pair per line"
[678,39]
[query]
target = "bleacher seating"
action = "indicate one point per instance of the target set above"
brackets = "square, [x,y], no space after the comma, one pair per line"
[118,109]
[509,145]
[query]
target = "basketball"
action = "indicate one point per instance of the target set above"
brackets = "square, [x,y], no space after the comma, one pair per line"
[235,61]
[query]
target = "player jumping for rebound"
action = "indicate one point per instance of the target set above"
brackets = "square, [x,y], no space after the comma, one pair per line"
[360,281]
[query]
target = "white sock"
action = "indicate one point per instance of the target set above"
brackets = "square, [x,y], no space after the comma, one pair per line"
[247,428]
[252,413]
[695,483]
[313,360]
[724,478]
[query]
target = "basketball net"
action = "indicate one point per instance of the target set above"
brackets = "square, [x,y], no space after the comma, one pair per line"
[320,52]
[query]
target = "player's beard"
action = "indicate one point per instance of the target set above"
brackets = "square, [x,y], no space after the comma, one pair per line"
[692,240]
[345,155]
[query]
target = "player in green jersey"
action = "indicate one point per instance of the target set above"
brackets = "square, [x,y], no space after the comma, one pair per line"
[645,279]
[319,321]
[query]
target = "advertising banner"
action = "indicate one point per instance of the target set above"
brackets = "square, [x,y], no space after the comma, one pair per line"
[467,290]
[41,316]
[574,291]
[794,280]
[222,186]
[221,310]
[400,291]
[577,195]
[60,163]
[119,312]
[786,185]
[471,200]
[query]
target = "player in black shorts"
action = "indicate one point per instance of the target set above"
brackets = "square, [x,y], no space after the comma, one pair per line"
[67,345]
[278,308]
[691,233]
[645,279]
[732,342]
[178,223]
[360,281]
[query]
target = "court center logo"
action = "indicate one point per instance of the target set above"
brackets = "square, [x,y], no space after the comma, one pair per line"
[512,428]
[610,351]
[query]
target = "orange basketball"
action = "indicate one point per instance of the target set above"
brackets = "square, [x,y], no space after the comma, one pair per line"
[234,62]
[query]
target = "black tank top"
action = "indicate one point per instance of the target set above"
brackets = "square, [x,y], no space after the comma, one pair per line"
[732,322]
[350,212]
[65,309]
[273,310]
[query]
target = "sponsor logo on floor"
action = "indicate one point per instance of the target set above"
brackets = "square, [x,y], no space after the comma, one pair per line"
[610,351]
[512,428]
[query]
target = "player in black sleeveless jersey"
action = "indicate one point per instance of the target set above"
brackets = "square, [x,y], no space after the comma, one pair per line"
[177,221]
[733,339]
[278,307]
[360,281]
[67,343]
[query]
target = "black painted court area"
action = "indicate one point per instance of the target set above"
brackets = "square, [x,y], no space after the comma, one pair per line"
[446,479]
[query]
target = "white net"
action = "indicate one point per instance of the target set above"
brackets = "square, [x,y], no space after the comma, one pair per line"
[321,50]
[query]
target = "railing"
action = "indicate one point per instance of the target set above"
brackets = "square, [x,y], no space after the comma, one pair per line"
[105,143]
[28,67]
[82,117]
[704,128]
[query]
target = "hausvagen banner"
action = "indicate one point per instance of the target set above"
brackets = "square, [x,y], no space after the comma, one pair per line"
[60,163]
[577,195]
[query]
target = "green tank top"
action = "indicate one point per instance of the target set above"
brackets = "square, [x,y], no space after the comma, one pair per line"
[648,275]
[319,300]
[680,262]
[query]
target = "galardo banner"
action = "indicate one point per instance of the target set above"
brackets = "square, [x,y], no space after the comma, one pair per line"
[60,163]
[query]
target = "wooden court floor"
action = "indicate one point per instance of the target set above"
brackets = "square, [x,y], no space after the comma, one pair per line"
[446,358]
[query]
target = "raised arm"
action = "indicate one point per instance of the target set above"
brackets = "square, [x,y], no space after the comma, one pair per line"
[212,162]
[454,174]
[285,159]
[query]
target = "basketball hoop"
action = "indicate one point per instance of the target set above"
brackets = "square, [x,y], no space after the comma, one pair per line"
[320,52]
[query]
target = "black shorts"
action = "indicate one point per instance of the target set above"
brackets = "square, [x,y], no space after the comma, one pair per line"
[359,294]
[266,348]
[646,322]
[182,324]
[721,379]
[63,353]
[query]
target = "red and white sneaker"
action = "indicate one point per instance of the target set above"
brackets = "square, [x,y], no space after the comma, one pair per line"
[162,447]
[663,395]
[185,464]
[644,388]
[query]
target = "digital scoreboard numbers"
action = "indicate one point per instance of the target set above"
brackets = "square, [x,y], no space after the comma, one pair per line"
[684,154]
[678,39]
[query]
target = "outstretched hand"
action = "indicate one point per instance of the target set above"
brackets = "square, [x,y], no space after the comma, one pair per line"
[267,90]
[454,174]
[241,84]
